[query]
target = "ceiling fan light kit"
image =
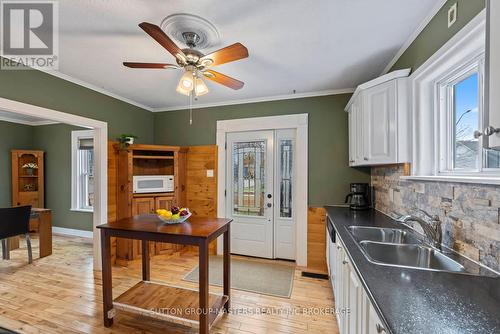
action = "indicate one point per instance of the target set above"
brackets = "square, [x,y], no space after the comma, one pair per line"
[195,64]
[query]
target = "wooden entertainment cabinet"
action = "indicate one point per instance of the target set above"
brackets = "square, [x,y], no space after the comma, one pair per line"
[147,160]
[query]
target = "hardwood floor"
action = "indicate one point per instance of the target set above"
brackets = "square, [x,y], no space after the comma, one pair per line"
[62,294]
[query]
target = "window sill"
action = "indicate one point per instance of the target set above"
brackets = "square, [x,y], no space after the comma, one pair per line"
[82,210]
[455,178]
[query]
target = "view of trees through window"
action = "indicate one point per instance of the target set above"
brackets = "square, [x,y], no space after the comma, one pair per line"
[467,148]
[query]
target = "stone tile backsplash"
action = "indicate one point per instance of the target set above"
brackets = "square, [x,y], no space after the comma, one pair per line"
[470,212]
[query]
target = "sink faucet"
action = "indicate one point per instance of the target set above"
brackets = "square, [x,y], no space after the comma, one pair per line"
[431,227]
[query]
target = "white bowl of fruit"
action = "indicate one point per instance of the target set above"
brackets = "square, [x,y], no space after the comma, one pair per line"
[175,215]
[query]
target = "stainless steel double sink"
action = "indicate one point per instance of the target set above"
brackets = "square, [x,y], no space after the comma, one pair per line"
[401,248]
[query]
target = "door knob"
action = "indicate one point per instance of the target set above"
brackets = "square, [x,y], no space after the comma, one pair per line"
[269,205]
[269,196]
[477,134]
[489,131]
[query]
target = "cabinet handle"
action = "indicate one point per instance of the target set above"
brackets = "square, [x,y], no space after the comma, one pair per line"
[365,159]
[380,329]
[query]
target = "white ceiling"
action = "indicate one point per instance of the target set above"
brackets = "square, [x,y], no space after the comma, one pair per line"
[8,116]
[302,45]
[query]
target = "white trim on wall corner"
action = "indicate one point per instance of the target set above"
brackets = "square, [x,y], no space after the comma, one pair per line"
[24,122]
[72,232]
[414,35]
[260,99]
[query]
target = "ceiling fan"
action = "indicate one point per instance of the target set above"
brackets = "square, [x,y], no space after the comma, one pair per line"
[195,64]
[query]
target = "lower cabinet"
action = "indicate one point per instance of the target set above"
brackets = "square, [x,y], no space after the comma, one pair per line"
[355,312]
[147,205]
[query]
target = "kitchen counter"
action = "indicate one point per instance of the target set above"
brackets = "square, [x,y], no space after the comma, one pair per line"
[419,301]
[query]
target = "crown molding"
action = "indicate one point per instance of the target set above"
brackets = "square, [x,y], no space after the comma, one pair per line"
[203,105]
[94,88]
[414,35]
[259,99]
[24,122]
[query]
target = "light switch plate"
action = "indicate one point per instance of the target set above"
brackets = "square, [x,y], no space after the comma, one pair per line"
[452,15]
[210,173]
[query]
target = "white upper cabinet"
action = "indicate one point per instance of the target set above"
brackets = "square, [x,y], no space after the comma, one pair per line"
[378,121]
[379,127]
[493,82]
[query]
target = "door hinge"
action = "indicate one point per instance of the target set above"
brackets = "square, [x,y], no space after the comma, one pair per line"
[225,193]
[225,145]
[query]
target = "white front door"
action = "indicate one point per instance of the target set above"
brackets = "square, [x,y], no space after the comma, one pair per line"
[259,165]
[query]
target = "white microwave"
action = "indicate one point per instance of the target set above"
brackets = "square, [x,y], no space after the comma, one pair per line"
[153,184]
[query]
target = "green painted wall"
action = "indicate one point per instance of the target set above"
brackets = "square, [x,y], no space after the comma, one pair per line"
[12,136]
[42,89]
[55,140]
[437,33]
[329,174]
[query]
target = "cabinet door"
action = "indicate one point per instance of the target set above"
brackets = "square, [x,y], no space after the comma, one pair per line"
[345,295]
[493,46]
[379,130]
[354,303]
[162,247]
[164,203]
[352,135]
[355,132]
[141,206]
[375,325]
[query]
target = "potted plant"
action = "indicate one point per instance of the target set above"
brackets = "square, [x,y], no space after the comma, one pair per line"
[30,168]
[126,139]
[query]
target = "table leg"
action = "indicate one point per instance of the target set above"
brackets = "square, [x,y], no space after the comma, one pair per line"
[107,287]
[227,269]
[45,233]
[146,268]
[203,278]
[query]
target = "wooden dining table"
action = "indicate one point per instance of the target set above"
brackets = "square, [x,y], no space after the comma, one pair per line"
[159,300]
[41,223]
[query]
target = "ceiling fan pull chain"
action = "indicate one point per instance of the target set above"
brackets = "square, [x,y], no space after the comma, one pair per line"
[191,108]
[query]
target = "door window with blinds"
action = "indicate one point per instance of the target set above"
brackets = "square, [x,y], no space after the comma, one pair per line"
[83,183]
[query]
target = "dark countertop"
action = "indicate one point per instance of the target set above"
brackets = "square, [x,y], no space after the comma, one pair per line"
[420,301]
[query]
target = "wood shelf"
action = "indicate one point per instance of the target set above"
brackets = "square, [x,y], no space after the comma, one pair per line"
[30,176]
[167,194]
[169,303]
[153,157]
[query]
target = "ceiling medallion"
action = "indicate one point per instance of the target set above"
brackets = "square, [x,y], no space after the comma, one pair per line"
[179,25]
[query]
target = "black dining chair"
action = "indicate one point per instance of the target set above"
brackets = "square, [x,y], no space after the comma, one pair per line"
[14,222]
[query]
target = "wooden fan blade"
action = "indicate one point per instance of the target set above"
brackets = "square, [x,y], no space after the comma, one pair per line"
[223,79]
[225,55]
[150,65]
[162,38]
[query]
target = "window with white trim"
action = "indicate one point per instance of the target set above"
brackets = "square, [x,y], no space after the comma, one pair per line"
[461,113]
[82,183]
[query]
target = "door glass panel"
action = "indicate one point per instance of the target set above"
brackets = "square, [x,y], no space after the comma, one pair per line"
[286,164]
[249,178]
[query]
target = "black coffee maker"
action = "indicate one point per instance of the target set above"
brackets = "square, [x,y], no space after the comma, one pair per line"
[358,198]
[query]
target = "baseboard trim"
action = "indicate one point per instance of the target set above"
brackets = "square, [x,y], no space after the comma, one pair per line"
[72,232]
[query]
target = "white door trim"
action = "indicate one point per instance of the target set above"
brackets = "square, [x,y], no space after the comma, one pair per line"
[101,156]
[298,122]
